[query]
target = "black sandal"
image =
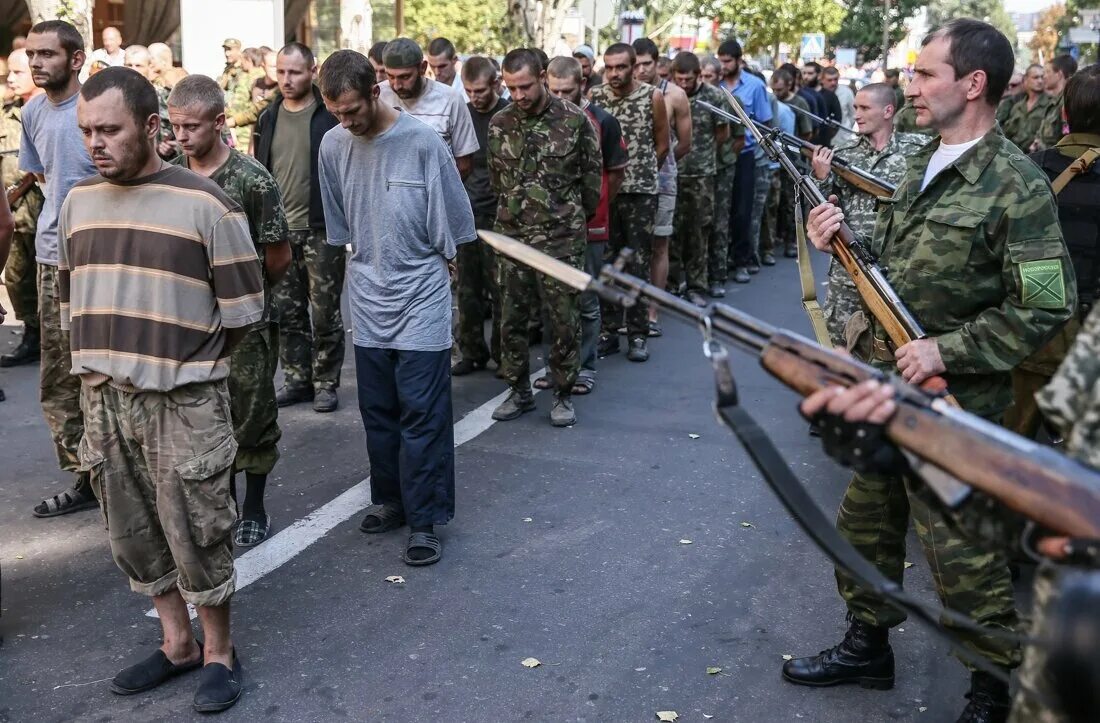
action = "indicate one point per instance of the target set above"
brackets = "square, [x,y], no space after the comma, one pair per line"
[151,672]
[544,382]
[65,503]
[389,517]
[425,541]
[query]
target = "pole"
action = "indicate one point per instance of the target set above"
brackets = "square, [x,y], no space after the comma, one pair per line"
[886,36]
[399,17]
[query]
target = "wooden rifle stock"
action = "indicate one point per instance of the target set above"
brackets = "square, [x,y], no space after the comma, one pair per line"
[864,182]
[20,188]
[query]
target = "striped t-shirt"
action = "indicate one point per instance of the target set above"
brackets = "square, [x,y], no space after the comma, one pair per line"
[151,273]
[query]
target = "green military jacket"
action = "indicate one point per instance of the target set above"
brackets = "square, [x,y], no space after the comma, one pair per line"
[1022,125]
[26,210]
[979,259]
[905,121]
[1053,126]
[546,170]
[702,159]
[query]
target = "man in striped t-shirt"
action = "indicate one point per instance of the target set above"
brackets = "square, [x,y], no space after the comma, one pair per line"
[158,278]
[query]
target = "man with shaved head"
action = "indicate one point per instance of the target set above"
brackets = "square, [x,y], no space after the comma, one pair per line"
[111,53]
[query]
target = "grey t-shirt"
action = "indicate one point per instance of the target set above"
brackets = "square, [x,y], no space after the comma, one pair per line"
[53,146]
[290,163]
[398,200]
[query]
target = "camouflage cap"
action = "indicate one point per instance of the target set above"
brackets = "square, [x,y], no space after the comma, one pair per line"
[402,53]
[231,43]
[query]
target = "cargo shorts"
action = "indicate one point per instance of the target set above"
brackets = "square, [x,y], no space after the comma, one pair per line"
[161,466]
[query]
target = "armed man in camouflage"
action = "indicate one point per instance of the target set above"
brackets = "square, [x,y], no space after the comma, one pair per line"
[880,151]
[971,243]
[1057,74]
[1025,119]
[546,167]
[20,272]
[696,171]
[198,117]
[243,111]
[640,110]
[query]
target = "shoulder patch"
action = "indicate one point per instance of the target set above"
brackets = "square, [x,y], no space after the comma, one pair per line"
[1042,284]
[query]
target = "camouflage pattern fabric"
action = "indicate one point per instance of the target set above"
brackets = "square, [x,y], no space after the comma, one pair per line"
[702,159]
[841,298]
[718,245]
[59,390]
[477,272]
[307,307]
[260,97]
[520,289]
[769,232]
[694,217]
[546,169]
[1004,108]
[230,77]
[21,279]
[161,465]
[632,217]
[762,183]
[166,133]
[21,270]
[635,115]
[906,121]
[1032,676]
[239,101]
[971,580]
[1022,126]
[1053,127]
[1023,417]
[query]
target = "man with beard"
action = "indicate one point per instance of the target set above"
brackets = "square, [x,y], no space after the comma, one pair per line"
[158,278]
[641,112]
[52,148]
[427,100]
[390,190]
[822,102]
[307,300]
[197,110]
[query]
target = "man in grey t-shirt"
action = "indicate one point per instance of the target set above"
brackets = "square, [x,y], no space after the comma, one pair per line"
[53,148]
[391,190]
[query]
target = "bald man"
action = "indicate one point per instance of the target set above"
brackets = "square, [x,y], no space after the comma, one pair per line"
[111,53]
[139,58]
[165,72]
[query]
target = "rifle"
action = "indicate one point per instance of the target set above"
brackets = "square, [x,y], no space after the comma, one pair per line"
[20,188]
[823,121]
[881,299]
[945,445]
[861,179]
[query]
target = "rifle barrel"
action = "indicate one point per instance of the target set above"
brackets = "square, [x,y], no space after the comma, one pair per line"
[824,121]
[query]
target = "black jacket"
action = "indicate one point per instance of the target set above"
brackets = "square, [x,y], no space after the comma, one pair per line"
[319,125]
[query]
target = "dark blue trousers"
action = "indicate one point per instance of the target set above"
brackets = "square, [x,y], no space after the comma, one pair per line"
[742,244]
[405,400]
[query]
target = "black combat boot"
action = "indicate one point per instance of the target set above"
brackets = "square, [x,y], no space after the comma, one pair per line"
[28,351]
[863,657]
[989,700]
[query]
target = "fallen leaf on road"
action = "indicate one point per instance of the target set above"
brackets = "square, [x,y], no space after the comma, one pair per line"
[685,542]
[922,709]
[908,565]
[787,656]
[715,670]
[694,436]
[639,670]
[396,579]
[748,524]
[708,717]
[530,663]
[667,715]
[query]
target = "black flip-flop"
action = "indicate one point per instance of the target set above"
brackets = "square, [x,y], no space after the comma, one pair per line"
[389,517]
[427,541]
[151,672]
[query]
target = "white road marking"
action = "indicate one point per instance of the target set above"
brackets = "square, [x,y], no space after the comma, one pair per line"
[282,547]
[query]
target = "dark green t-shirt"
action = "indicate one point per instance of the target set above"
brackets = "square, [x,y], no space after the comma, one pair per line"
[290,163]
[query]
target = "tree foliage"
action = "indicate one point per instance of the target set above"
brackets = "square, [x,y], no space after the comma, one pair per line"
[474,26]
[1044,43]
[76,12]
[991,11]
[762,25]
[863,27]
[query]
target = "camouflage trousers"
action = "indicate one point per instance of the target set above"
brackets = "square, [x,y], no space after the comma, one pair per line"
[692,229]
[769,222]
[718,247]
[785,221]
[1034,373]
[841,301]
[874,516]
[632,217]
[307,306]
[477,283]
[761,187]
[59,390]
[252,399]
[520,289]
[161,465]
[20,279]
[1034,677]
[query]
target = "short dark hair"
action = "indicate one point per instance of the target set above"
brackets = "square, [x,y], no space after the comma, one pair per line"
[71,41]
[976,45]
[302,50]
[830,70]
[686,62]
[254,56]
[730,48]
[782,73]
[1082,100]
[1032,67]
[347,70]
[565,67]
[544,59]
[892,73]
[619,49]
[645,46]
[478,68]
[442,46]
[664,61]
[375,52]
[1064,64]
[138,94]
[520,58]
[813,64]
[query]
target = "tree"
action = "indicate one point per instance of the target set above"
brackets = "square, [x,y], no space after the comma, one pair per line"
[762,25]
[77,12]
[1044,44]
[539,22]
[993,12]
[474,26]
[863,27]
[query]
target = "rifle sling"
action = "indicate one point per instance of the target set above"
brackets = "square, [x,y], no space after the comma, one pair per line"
[806,278]
[1079,166]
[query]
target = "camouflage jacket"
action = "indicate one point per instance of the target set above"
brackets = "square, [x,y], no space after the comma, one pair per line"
[1071,401]
[26,210]
[546,169]
[1022,125]
[979,259]
[229,79]
[261,97]
[1006,105]
[635,116]
[1053,126]
[906,121]
[241,99]
[701,160]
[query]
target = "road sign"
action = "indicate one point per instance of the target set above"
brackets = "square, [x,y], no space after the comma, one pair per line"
[813,46]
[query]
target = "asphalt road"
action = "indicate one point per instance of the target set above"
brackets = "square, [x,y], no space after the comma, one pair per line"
[568,546]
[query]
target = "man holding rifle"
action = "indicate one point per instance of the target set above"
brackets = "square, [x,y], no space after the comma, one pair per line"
[878,150]
[972,245]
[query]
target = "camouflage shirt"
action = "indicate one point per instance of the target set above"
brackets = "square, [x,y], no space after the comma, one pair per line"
[26,210]
[1022,125]
[906,121]
[1071,401]
[546,169]
[1053,126]
[635,115]
[701,160]
[979,259]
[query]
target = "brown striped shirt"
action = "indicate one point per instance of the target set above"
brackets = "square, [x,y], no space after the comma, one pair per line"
[151,272]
